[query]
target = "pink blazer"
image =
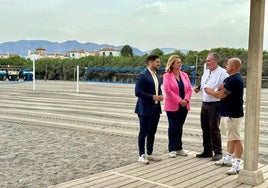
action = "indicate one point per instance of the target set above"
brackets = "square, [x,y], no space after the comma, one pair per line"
[171,88]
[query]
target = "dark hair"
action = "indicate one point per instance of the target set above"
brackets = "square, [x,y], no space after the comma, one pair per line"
[151,58]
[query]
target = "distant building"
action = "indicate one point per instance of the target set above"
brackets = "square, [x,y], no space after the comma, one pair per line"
[109,52]
[57,55]
[7,55]
[76,54]
[93,53]
[81,53]
[40,51]
[38,54]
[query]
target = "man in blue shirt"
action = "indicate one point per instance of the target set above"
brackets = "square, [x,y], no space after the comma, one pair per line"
[231,95]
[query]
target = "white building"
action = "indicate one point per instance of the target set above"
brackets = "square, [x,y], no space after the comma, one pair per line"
[7,55]
[38,54]
[109,52]
[57,55]
[76,54]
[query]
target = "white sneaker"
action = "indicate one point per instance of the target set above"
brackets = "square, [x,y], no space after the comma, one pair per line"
[153,158]
[181,153]
[143,159]
[222,162]
[234,170]
[173,154]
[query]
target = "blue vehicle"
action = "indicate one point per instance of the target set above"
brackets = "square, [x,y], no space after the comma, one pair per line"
[27,74]
[3,75]
[10,72]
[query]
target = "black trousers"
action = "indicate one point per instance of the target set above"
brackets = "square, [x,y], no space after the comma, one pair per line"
[210,124]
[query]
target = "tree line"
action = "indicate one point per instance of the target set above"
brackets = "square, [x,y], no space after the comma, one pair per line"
[65,69]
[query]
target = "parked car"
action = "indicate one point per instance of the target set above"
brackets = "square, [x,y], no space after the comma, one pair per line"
[3,75]
[13,75]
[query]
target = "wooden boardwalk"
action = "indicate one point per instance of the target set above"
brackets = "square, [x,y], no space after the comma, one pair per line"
[190,172]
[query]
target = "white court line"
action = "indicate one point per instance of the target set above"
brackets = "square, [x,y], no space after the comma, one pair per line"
[140,179]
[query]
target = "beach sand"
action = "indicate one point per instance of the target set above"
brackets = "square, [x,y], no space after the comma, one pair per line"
[32,156]
[54,135]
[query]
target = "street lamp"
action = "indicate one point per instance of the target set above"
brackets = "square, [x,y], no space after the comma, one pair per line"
[33,58]
[196,60]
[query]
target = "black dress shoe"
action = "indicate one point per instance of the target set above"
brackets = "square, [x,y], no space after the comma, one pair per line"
[204,155]
[217,157]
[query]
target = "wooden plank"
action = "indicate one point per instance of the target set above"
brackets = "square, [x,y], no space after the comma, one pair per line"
[213,179]
[147,185]
[265,176]
[263,185]
[234,183]
[222,182]
[179,168]
[218,180]
[185,170]
[241,185]
[170,172]
[127,182]
[226,179]
[197,176]
[129,169]
[142,169]
[134,184]
[103,180]
[142,179]
[193,178]
[111,183]
[165,170]
[82,180]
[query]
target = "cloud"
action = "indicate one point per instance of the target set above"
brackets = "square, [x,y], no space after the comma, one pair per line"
[156,8]
[146,24]
[67,30]
[10,2]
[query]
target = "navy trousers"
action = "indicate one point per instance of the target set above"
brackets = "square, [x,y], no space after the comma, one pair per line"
[148,128]
[175,124]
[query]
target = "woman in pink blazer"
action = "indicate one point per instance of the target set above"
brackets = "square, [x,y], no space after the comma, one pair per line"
[178,92]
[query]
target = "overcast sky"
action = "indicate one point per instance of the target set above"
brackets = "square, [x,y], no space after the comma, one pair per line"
[145,24]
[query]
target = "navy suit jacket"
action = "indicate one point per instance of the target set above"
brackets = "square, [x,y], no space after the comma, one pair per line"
[144,90]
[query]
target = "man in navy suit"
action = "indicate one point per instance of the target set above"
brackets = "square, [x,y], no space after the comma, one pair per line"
[148,91]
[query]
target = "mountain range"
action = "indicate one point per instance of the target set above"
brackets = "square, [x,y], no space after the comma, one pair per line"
[21,47]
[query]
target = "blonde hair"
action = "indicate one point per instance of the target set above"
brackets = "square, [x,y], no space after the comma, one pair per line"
[170,62]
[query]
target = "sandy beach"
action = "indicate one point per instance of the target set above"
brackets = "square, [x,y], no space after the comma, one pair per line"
[53,134]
